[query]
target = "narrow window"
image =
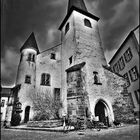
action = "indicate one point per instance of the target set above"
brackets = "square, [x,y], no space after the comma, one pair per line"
[87,23]
[52,55]
[131,98]
[127,79]
[116,68]
[2,103]
[128,55]
[67,28]
[121,63]
[28,79]
[136,96]
[31,57]
[133,74]
[96,78]
[57,94]
[70,60]
[45,79]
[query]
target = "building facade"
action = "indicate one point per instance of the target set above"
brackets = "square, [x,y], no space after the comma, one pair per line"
[126,62]
[5,95]
[75,71]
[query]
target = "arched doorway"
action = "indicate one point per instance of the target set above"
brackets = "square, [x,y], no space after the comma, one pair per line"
[27,112]
[102,112]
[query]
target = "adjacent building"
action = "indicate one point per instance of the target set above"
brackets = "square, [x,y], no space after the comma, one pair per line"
[5,95]
[126,62]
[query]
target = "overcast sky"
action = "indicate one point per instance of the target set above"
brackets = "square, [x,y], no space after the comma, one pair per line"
[43,17]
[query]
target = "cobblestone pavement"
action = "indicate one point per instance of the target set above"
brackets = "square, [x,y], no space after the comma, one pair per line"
[123,133]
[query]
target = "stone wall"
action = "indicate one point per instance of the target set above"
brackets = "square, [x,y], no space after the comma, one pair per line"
[121,103]
[45,124]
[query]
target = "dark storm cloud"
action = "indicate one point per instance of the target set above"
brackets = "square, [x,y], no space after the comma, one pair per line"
[25,16]
[117,19]
[21,17]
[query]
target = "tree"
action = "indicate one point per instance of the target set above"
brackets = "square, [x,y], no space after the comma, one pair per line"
[45,106]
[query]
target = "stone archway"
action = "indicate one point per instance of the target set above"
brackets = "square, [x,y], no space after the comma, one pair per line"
[27,112]
[102,112]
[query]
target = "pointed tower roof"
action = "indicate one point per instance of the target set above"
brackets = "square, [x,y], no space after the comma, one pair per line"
[30,43]
[78,4]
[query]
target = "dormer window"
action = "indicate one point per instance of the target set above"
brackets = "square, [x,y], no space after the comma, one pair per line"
[31,57]
[53,56]
[67,27]
[87,23]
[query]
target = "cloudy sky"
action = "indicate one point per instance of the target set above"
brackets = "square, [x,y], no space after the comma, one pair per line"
[43,17]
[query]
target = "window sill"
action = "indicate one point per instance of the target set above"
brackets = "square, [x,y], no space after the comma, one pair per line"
[44,85]
[98,83]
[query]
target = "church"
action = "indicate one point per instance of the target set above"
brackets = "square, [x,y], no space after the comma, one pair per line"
[75,72]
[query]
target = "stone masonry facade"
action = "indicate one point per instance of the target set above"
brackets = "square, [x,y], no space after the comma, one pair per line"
[77,67]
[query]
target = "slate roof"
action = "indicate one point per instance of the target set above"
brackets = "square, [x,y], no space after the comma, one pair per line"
[30,43]
[77,3]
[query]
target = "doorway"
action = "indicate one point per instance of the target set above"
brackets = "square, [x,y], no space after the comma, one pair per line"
[27,112]
[101,112]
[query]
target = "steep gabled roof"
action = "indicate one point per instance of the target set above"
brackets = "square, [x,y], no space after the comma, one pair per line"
[122,45]
[77,3]
[30,43]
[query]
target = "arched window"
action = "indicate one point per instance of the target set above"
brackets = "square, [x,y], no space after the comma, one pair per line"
[87,23]
[67,27]
[45,79]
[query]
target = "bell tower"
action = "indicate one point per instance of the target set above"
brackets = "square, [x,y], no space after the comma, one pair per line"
[81,46]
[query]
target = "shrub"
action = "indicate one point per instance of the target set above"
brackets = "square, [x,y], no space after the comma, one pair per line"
[15,119]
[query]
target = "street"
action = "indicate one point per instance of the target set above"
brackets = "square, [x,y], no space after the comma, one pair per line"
[123,133]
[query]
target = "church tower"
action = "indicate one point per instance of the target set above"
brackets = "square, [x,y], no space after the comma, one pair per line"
[82,60]
[26,75]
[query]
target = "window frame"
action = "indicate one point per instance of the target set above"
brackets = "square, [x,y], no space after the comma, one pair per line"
[70,60]
[2,103]
[53,56]
[128,55]
[136,96]
[87,23]
[56,94]
[31,57]
[28,79]
[67,27]
[137,74]
[121,63]
[45,79]
[127,79]
[116,67]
